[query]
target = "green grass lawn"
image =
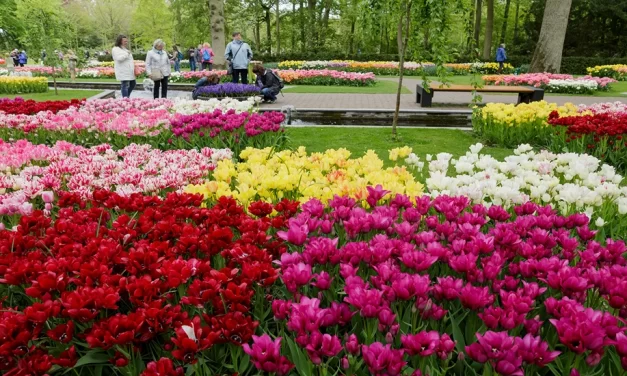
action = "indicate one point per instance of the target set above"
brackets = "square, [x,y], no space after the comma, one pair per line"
[359,140]
[51,96]
[86,80]
[380,87]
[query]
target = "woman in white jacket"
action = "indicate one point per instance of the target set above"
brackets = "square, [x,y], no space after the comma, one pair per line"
[124,66]
[158,68]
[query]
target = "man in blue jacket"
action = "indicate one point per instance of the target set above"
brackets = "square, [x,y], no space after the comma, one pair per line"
[501,57]
[238,54]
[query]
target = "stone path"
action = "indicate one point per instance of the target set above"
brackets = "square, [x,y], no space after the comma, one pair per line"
[408,101]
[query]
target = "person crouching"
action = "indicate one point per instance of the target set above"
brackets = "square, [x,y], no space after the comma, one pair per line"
[211,79]
[269,83]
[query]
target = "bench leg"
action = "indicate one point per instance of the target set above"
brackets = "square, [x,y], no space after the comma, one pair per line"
[538,95]
[423,97]
[523,98]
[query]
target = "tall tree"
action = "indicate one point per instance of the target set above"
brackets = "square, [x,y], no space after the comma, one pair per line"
[152,20]
[548,53]
[402,39]
[478,6]
[112,17]
[505,18]
[278,28]
[489,29]
[44,27]
[216,12]
[516,22]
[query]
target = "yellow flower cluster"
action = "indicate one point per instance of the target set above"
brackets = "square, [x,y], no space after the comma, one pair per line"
[616,71]
[400,153]
[18,85]
[269,175]
[111,64]
[511,114]
[291,64]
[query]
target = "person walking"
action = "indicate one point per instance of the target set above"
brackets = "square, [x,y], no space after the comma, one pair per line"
[72,59]
[23,58]
[192,59]
[177,56]
[501,56]
[268,81]
[238,54]
[207,56]
[15,56]
[158,68]
[124,66]
[199,57]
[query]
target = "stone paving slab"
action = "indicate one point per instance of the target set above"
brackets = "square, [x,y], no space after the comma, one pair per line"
[408,101]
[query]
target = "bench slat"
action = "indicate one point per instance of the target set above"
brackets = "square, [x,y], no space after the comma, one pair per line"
[485,89]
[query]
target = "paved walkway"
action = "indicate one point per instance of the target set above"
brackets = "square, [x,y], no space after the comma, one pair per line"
[446,100]
[408,101]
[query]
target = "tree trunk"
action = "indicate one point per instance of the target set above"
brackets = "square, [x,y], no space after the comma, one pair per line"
[216,11]
[516,22]
[302,26]
[293,25]
[257,32]
[548,54]
[351,37]
[402,38]
[311,23]
[325,22]
[268,28]
[278,28]
[505,17]
[478,6]
[489,28]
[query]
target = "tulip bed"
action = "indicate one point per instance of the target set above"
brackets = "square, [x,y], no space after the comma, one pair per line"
[554,83]
[596,129]
[391,67]
[164,124]
[18,85]
[119,258]
[19,106]
[228,90]
[617,71]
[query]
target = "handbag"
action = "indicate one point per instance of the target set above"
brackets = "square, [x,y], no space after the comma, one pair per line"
[229,69]
[156,74]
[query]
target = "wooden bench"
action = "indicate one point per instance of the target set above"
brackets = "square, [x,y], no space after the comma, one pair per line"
[526,94]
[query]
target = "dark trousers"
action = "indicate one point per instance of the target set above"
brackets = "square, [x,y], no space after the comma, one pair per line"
[164,88]
[127,88]
[240,72]
[206,66]
[192,65]
[269,94]
[501,64]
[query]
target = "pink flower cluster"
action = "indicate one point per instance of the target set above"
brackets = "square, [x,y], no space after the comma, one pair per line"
[615,108]
[131,122]
[324,76]
[218,122]
[522,275]
[542,79]
[35,169]
[530,79]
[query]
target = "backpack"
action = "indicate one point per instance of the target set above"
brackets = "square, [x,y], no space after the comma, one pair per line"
[206,56]
[281,84]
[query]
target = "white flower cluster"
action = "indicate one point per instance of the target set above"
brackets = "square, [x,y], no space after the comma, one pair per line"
[572,86]
[189,107]
[88,73]
[568,181]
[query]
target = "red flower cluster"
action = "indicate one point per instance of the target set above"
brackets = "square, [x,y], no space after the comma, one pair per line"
[603,135]
[19,106]
[135,274]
